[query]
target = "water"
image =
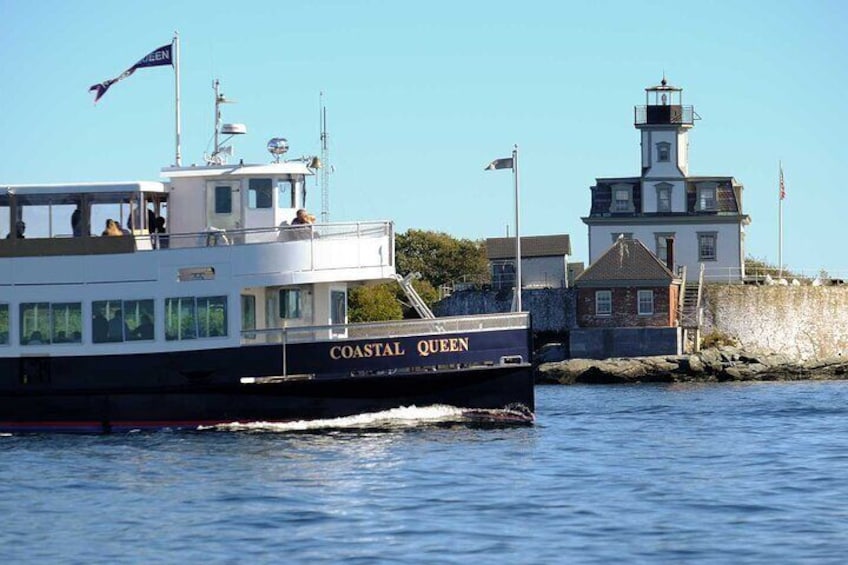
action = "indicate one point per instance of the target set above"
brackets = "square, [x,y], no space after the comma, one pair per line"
[747,473]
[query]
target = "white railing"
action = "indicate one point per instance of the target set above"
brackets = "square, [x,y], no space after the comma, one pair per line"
[388,330]
[733,275]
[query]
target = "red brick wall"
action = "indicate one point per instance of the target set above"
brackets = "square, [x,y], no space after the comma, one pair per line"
[625,308]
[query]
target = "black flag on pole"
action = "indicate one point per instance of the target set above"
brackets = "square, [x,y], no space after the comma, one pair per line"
[505,163]
[156,58]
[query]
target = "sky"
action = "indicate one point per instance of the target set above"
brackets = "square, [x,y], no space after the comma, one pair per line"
[421,96]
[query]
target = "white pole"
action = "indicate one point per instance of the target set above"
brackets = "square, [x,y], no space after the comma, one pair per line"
[780,222]
[517,231]
[177,93]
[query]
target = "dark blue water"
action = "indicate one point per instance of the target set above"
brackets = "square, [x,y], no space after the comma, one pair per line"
[754,473]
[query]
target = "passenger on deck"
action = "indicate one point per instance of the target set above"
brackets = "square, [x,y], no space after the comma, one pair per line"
[20,228]
[159,229]
[145,328]
[302,217]
[112,228]
[76,222]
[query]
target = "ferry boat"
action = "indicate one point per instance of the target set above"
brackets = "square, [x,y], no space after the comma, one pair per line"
[208,306]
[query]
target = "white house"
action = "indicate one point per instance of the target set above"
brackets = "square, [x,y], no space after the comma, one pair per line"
[544,261]
[685,220]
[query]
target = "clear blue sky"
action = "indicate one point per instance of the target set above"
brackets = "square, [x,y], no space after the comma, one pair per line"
[421,96]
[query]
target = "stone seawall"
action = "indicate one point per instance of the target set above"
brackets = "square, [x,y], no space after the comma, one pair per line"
[803,322]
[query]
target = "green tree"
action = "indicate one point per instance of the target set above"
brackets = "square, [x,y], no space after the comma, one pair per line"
[439,257]
[374,303]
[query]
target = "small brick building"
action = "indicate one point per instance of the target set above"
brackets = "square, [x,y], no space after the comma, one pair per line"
[627,287]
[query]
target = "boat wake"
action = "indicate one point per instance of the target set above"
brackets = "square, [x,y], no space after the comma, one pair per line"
[403,417]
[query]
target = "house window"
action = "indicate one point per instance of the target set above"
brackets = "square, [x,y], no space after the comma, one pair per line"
[665,248]
[707,198]
[503,273]
[707,246]
[603,303]
[663,198]
[621,200]
[646,302]
[621,234]
[663,151]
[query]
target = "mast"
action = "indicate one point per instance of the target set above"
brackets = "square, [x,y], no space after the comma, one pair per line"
[325,165]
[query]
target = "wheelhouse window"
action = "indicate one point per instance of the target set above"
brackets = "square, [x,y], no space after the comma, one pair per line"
[663,151]
[646,302]
[223,199]
[707,246]
[603,303]
[285,194]
[4,324]
[259,193]
[43,322]
[291,303]
[122,320]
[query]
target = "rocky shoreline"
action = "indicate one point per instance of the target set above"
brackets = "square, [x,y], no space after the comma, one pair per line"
[710,365]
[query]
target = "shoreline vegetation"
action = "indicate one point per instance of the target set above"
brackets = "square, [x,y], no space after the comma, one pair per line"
[719,364]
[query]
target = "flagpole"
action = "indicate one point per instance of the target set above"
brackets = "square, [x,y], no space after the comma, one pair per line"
[176,44]
[780,221]
[517,230]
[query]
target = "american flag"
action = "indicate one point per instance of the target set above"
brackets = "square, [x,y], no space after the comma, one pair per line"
[782,184]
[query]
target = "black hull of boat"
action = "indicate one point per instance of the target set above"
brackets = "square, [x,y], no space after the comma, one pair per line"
[198,402]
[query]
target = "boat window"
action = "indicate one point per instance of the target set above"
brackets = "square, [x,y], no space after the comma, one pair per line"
[223,200]
[5,215]
[248,312]
[66,322]
[338,307]
[43,322]
[139,320]
[4,324]
[109,319]
[285,194]
[290,303]
[212,316]
[259,193]
[189,317]
[105,207]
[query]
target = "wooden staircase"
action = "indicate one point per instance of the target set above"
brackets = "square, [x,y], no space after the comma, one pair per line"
[690,310]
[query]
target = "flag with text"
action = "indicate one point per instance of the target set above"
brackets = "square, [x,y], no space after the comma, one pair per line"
[156,58]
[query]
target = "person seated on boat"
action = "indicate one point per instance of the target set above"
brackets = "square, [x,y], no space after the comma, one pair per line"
[117,327]
[145,328]
[35,338]
[112,228]
[302,217]
[20,228]
[99,328]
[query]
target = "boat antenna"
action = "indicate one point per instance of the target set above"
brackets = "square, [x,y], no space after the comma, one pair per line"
[325,162]
[219,152]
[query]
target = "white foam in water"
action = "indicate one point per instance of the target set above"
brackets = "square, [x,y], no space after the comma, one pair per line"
[405,416]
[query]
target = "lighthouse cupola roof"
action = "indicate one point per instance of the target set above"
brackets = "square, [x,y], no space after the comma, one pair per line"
[663,106]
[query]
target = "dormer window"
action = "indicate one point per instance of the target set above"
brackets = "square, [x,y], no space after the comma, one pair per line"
[663,152]
[622,199]
[706,198]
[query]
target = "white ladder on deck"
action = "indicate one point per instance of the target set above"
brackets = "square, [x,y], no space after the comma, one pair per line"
[414,298]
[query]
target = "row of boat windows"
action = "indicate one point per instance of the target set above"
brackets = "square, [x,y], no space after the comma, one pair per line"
[112,321]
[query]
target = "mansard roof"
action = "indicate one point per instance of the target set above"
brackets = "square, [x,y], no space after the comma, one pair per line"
[627,261]
[728,196]
[531,246]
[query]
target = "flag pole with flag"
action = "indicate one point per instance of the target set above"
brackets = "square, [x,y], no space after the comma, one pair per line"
[512,163]
[167,55]
[781,196]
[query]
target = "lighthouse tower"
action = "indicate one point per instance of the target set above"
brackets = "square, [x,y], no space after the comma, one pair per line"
[664,123]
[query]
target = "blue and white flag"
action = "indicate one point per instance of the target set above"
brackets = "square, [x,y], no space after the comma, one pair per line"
[156,58]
